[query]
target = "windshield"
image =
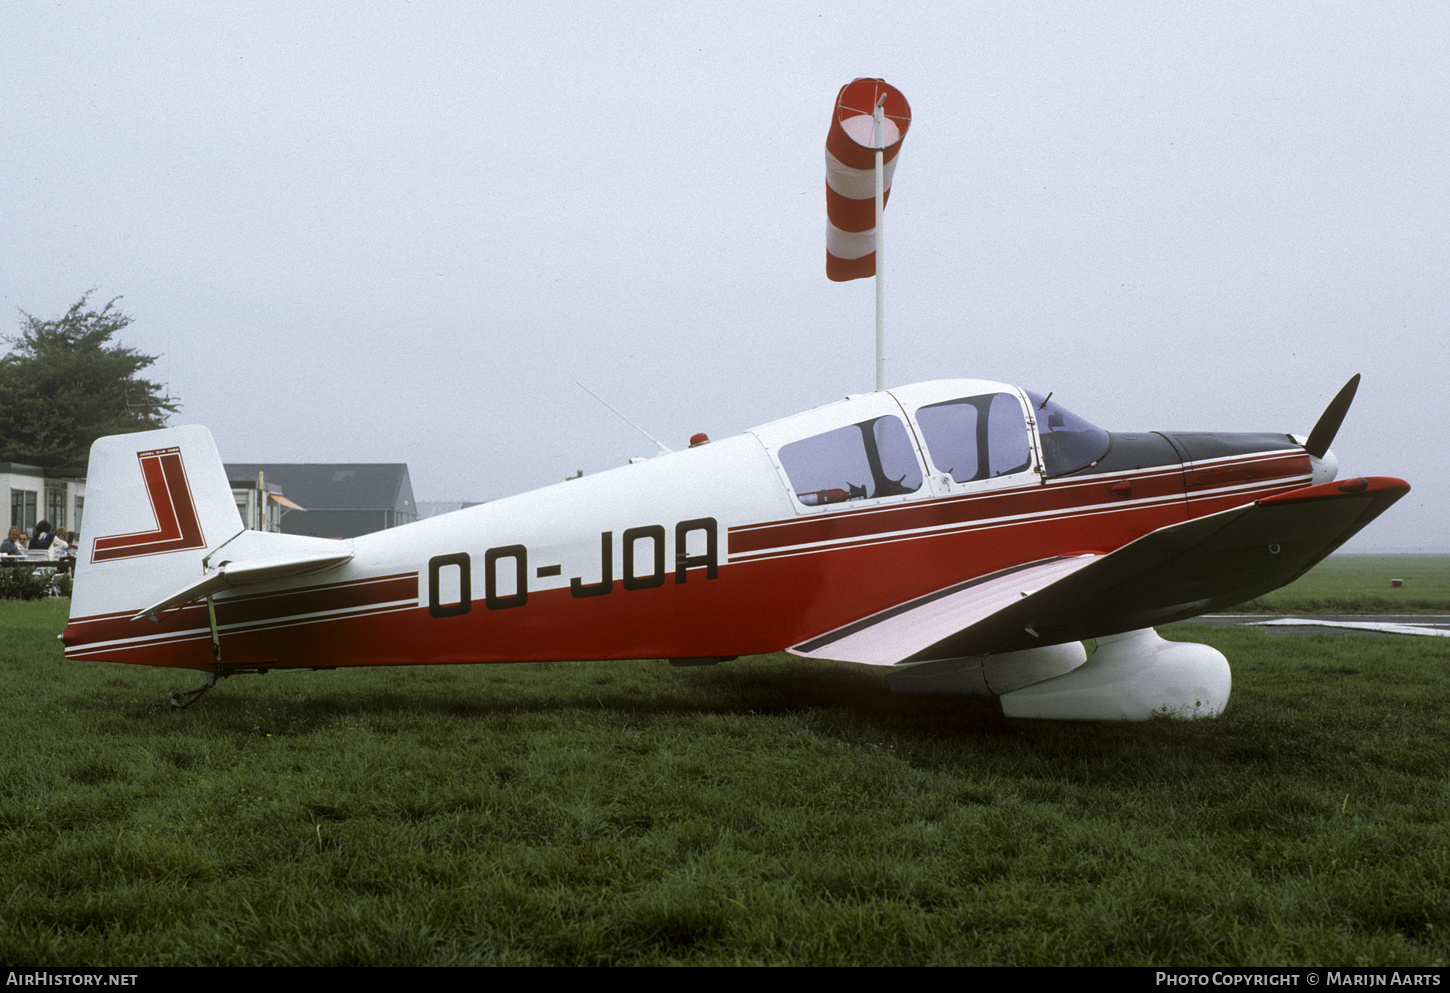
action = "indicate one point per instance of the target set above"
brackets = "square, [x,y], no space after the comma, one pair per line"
[1069,443]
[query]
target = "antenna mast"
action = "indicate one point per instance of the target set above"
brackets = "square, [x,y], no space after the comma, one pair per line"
[664,449]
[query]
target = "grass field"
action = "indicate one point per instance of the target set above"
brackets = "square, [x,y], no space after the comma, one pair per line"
[1364,584]
[769,810]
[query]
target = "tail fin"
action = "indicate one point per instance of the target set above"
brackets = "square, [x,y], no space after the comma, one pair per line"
[158,509]
[156,503]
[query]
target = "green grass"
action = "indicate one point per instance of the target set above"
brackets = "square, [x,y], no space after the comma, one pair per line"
[769,810]
[1363,584]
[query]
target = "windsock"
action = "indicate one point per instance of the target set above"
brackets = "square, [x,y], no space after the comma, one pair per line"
[850,173]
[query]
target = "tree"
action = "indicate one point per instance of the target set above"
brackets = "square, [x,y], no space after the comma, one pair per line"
[64,384]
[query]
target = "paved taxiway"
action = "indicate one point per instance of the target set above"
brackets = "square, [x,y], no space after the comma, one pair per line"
[1430,625]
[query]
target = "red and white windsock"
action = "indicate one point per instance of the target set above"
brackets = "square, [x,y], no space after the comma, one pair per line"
[850,173]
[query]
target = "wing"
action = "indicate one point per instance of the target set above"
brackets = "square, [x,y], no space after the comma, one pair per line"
[1171,574]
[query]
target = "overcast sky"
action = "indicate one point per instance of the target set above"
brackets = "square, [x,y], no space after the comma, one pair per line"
[401,232]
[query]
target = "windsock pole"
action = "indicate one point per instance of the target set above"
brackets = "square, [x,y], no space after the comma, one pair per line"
[880,129]
[867,125]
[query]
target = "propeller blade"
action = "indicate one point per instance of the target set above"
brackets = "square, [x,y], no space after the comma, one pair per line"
[1330,420]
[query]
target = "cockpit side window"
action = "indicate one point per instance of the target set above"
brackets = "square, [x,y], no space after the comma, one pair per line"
[979,437]
[861,461]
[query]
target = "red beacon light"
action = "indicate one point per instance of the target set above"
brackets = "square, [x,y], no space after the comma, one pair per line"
[698,438]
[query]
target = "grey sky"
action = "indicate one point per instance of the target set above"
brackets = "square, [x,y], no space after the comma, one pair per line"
[402,231]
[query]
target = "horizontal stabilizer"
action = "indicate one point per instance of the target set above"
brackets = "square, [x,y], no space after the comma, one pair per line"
[1171,574]
[254,557]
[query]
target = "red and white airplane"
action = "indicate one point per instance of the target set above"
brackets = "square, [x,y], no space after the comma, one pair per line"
[966,534]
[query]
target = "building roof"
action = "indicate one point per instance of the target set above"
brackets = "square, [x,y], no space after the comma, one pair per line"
[433,508]
[334,485]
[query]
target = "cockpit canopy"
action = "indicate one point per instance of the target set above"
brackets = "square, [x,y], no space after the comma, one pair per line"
[958,432]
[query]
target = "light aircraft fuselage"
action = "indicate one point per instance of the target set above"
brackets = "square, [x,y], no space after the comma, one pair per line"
[884,528]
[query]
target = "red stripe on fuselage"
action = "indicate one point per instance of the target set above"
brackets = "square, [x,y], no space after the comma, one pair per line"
[1161,486]
[1232,481]
[116,637]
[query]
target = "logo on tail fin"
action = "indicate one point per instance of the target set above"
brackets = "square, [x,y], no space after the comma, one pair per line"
[177,525]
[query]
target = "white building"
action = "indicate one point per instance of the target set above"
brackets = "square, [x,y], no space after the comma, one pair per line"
[36,494]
